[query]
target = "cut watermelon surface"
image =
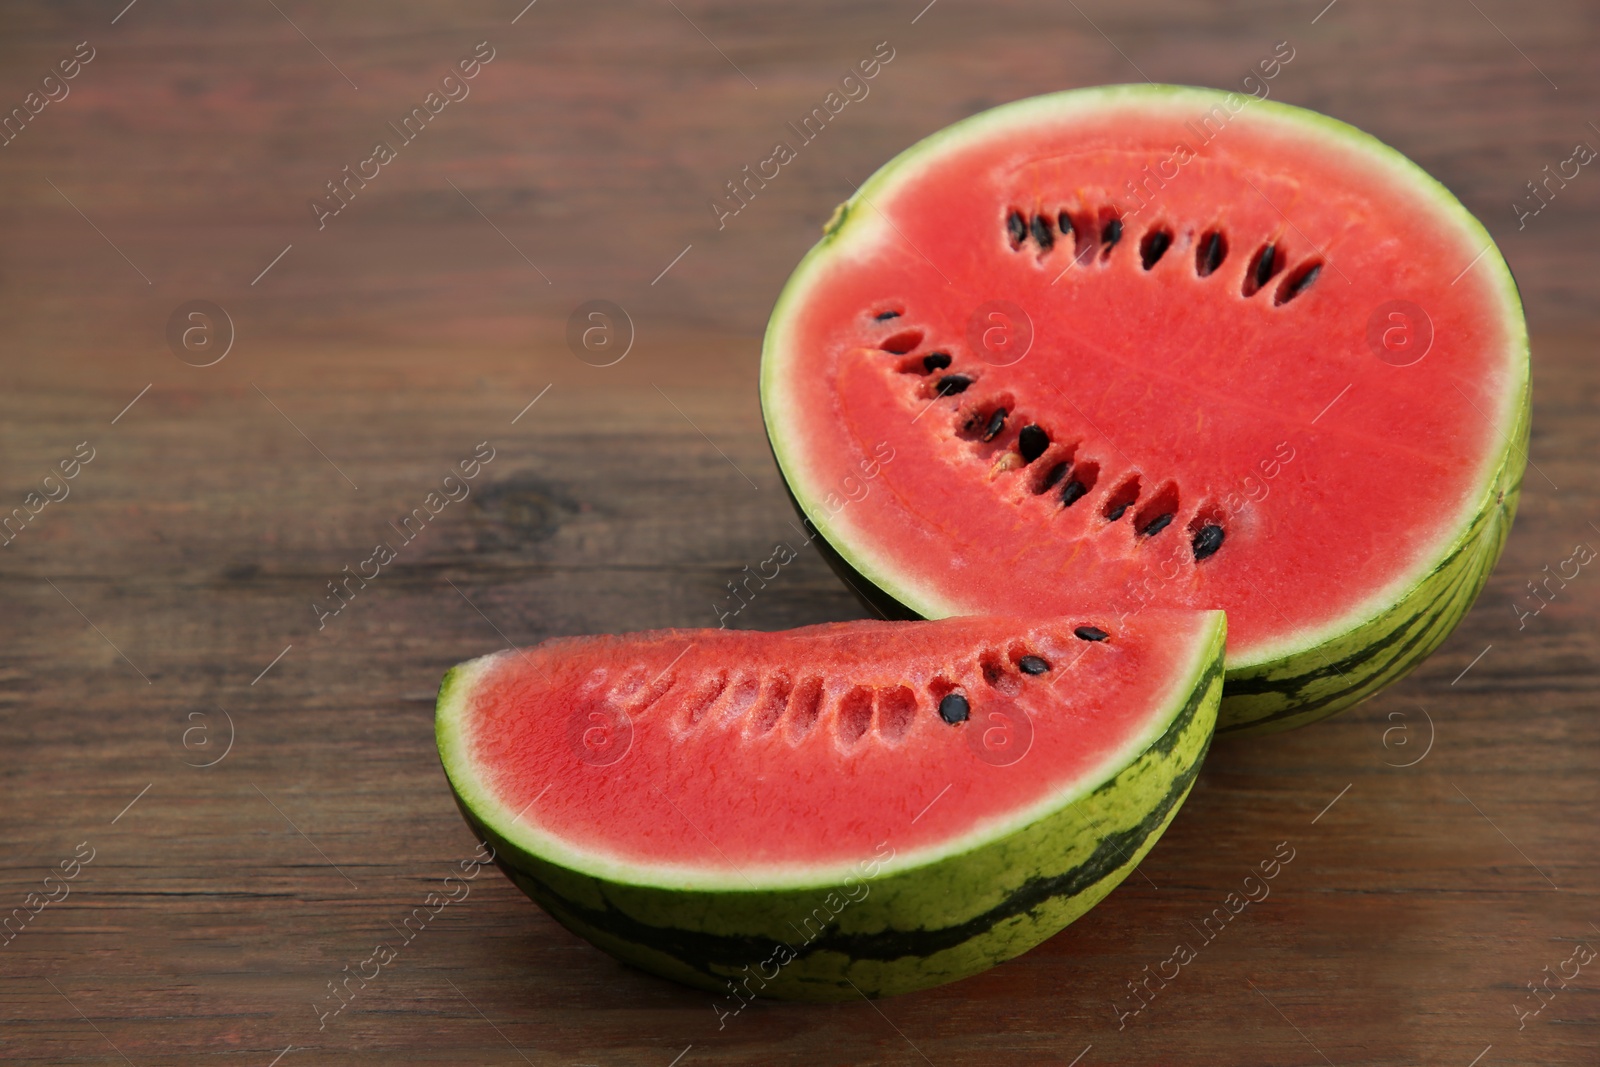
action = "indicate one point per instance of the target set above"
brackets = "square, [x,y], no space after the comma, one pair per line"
[888,805]
[1151,345]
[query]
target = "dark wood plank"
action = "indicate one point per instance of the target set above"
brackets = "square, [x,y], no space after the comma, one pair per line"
[415,325]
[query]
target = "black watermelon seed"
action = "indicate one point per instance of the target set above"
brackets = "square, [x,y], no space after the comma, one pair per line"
[1064,222]
[1052,476]
[935,361]
[1206,541]
[1211,256]
[1032,665]
[997,422]
[1042,232]
[952,384]
[1112,233]
[1031,442]
[954,708]
[1072,493]
[1157,524]
[1155,246]
[1299,284]
[1264,265]
[1017,226]
[1116,512]
[885,316]
[1090,633]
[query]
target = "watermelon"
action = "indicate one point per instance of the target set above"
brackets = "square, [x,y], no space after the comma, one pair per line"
[849,809]
[1154,345]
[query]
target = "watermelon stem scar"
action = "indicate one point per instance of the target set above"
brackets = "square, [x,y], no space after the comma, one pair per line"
[1094,367]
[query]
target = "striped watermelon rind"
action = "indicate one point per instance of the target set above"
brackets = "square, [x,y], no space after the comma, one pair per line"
[900,927]
[1318,674]
[1321,681]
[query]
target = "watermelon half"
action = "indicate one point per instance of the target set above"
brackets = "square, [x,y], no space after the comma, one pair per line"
[1154,345]
[849,809]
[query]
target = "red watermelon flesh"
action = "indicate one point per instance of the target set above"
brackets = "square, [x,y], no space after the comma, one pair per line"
[726,755]
[1282,366]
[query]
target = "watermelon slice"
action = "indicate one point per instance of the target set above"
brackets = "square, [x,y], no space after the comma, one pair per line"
[845,809]
[1156,345]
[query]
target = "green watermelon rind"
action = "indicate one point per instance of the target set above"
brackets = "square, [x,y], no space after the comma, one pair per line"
[917,924]
[1313,674]
[1302,688]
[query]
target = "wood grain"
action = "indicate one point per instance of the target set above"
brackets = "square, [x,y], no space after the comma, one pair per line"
[423,318]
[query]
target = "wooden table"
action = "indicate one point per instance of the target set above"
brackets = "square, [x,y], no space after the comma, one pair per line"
[170,594]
